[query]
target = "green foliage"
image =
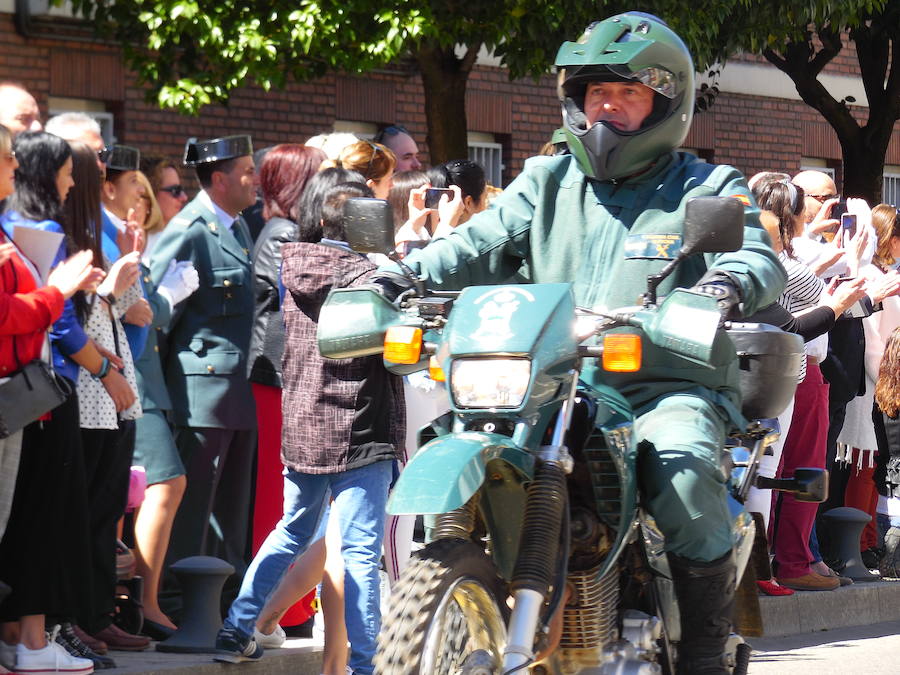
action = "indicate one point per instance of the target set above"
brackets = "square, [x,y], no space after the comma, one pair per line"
[193,52]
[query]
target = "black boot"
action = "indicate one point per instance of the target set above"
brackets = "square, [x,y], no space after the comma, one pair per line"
[705,592]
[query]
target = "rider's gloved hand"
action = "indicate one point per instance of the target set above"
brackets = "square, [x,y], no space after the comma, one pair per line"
[725,290]
[390,284]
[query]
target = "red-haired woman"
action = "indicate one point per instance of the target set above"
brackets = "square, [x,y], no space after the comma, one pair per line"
[282,177]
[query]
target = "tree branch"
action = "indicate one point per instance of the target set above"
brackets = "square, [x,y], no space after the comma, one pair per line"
[892,89]
[831,47]
[471,56]
[775,59]
[803,71]
[872,55]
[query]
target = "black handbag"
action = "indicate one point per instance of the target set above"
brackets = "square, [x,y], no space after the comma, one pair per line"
[32,392]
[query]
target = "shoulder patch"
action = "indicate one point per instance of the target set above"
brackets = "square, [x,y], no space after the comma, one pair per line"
[743,199]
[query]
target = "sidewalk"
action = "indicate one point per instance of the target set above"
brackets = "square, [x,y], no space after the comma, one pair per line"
[859,604]
[803,612]
[297,657]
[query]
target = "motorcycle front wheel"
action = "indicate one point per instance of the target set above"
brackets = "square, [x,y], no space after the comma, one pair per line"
[447,614]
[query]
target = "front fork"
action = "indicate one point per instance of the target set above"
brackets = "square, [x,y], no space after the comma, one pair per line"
[539,548]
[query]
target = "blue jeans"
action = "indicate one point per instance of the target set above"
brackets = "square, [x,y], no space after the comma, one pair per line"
[360,497]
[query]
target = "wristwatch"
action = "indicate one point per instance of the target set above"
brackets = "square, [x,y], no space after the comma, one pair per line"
[104,369]
[108,297]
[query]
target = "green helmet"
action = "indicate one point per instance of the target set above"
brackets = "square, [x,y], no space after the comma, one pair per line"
[633,47]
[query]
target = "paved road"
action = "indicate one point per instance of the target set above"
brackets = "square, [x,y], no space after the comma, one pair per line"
[873,650]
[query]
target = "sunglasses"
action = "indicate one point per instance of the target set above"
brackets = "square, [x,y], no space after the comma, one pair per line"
[823,198]
[375,150]
[175,190]
[392,130]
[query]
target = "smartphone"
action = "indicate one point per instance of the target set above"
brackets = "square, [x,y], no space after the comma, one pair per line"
[848,224]
[433,196]
[841,280]
[839,209]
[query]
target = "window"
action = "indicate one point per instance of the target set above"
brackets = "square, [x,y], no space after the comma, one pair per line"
[813,164]
[96,109]
[490,157]
[890,189]
[358,129]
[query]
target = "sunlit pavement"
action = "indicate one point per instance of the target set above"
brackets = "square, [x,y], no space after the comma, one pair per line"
[872,649]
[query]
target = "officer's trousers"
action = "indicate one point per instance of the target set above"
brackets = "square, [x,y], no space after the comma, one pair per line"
[214,515]
[680,441]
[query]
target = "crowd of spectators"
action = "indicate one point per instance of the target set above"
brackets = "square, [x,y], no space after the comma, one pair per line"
[840,257]
[167,315]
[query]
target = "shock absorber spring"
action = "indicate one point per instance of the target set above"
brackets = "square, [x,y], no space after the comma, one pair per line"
[539,547]
[458,523]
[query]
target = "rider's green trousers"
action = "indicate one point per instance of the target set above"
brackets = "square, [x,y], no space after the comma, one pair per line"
[684,486]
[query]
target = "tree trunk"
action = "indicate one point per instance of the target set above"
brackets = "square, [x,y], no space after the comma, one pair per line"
[863,147]
[863,171]
[444,80]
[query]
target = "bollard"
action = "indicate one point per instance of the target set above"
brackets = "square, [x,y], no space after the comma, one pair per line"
[845,525]
[201,579]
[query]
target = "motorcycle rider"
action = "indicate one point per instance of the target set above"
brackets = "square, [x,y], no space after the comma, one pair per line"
[626,88]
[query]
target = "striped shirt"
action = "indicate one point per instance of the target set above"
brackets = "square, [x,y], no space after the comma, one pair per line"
[803,291]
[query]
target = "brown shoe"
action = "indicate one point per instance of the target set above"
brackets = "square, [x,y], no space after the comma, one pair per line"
[811,582]
[116,638]
[823,569]
[98,646]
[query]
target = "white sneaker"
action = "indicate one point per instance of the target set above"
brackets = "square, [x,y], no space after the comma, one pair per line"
[318,631]
[50,660]
[273,640]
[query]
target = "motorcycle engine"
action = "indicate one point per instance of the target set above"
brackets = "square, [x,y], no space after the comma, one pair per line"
[590,617]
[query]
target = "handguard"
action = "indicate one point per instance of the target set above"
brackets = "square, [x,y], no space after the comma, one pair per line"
[725,290]
[390,285]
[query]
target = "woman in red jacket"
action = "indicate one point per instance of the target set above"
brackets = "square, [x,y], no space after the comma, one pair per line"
[27,309]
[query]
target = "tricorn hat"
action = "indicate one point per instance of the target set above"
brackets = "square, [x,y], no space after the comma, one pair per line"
[121,157]
[216,149]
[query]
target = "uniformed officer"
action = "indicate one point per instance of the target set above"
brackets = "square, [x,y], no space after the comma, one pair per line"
[206,358]
[626,89]
[120,192]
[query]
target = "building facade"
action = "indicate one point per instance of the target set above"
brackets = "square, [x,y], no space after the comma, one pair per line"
[757,122]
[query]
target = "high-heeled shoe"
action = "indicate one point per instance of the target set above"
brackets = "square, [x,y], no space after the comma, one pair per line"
[157,631]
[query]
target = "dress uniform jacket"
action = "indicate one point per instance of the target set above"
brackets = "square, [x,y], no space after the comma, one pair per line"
[209,335]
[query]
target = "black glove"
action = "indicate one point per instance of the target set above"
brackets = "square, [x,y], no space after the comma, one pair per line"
[391,285]
[724,289]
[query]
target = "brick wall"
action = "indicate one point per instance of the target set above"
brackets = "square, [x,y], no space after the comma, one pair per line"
[752,133]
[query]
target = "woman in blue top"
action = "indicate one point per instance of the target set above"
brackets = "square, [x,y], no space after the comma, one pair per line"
[44,582]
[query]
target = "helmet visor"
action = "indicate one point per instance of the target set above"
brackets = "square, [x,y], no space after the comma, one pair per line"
[658,79]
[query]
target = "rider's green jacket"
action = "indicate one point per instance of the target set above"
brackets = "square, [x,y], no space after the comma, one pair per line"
[553,224]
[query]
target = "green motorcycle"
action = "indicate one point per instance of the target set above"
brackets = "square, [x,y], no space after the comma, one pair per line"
[541,557]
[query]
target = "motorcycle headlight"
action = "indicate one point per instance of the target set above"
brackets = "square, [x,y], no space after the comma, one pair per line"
[489,383]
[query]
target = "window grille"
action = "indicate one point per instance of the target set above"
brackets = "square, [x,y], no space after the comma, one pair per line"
[490,157]
[890,190]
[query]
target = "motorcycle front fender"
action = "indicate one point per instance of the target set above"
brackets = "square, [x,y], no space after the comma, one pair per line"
[445,473]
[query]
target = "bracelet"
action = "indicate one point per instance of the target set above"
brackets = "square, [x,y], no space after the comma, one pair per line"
[104,369]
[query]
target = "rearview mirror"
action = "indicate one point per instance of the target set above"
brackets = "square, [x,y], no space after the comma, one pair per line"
[807,485]
[369,225]
[713,225]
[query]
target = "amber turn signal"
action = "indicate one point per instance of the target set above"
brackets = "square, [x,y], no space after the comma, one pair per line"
[622,352]
[403,344]
[435,372]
